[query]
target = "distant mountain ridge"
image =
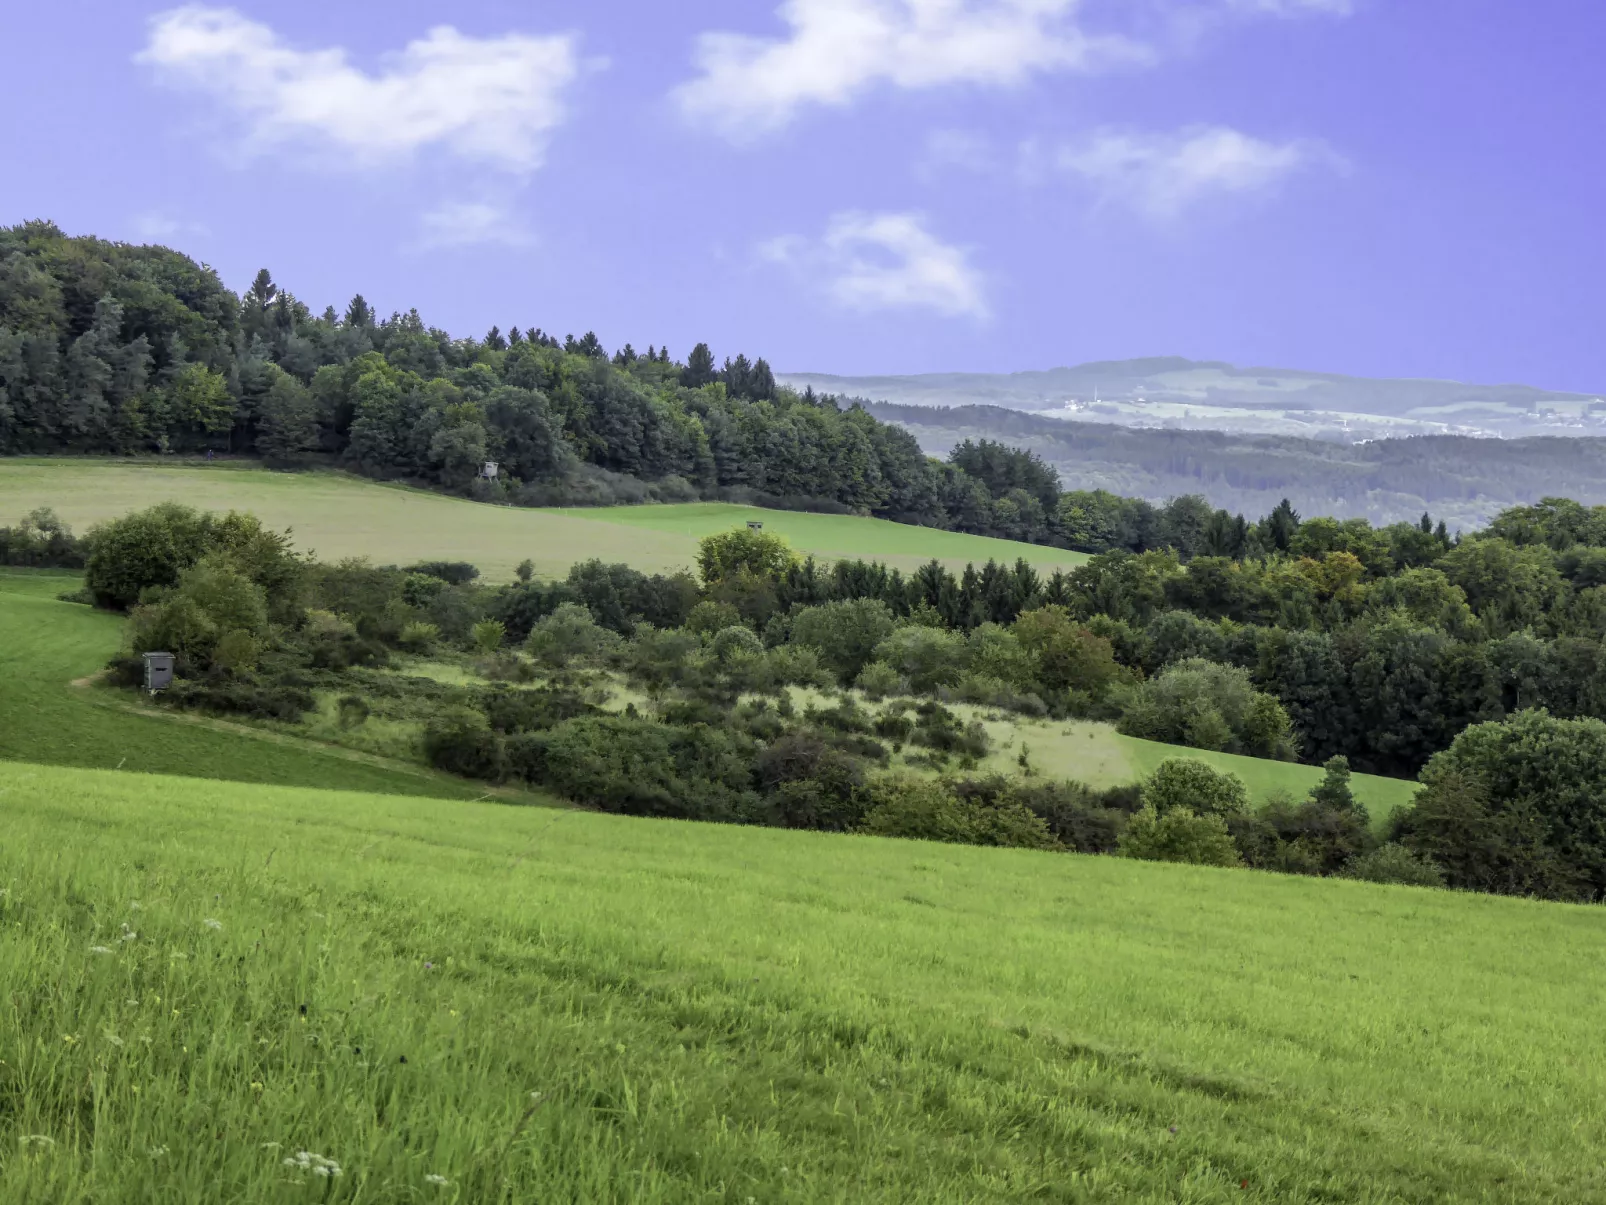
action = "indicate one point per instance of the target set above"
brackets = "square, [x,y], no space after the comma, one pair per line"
[1462,480]
[1172,391]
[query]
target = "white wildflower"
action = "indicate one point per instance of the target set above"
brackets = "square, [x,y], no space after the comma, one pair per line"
[128,934]
[156,1152]
[212,924]
[318,1165]
[99,950]
[441,1181]
[36,1140]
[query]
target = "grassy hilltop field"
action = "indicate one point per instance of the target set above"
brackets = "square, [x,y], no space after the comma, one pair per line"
[339,515]
[463,1002]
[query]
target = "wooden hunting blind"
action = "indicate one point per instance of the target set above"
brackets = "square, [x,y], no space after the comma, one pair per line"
[158,671]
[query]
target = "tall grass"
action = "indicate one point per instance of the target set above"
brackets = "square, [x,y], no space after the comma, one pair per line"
[203,980]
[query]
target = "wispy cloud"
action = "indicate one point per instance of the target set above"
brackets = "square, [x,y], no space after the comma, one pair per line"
[1163,175]
[156,226]
[472,223]
[491,100]
[836,50]
[867,262]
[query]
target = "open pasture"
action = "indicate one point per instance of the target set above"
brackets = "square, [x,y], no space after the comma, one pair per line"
[204,983]
[338,515]
[1099,756]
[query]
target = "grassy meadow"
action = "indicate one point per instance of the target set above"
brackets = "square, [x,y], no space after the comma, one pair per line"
[1099,756]
[338,515]
[203,984]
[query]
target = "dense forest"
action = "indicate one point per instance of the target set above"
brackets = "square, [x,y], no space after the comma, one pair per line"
[1465,480]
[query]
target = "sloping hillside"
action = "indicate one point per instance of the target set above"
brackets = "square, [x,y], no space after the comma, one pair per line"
[230,993]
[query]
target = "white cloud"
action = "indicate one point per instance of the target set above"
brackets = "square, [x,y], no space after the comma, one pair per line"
[157,227]
[885,261]
[472,223]
[1161,175]
[492,100]
[836,49]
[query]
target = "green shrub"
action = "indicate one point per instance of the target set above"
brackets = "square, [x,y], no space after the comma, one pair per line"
[1208,706]
[708,617]
[799,665]
[509,711]
[941,730]
[153,548]
[41,540]
[488,635]
[1517,805]
[453,573]
[1080,818]
[1484,846]
[420,589]
[236,652]
[1184,783]
[845,634]
[353,711]
[1318,835]
[569,634]
[1179,836]
[878,680]
[736,644]
[231,697]
[460,741]
[931,811]
[418,637]
[644,768]
[927,658]
[1393,863]
[727,553]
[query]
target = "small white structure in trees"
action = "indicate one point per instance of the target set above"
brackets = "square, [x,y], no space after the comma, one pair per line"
[489,470]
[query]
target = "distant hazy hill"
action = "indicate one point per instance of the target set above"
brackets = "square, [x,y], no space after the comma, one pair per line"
[1460,479]
[1169,391]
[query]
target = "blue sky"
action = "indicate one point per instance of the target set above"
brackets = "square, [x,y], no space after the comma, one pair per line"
[1370,186]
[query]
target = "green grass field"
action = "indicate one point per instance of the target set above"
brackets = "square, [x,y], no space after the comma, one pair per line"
[46,645]
[1101,757]
[337,515]
[202,983]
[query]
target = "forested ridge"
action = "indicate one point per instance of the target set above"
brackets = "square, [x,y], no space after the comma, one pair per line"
[112,349]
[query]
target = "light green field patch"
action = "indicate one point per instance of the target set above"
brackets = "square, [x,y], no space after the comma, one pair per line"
[1382,796]
[1096,754]
[834,537]
[337,515]
[221,977]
